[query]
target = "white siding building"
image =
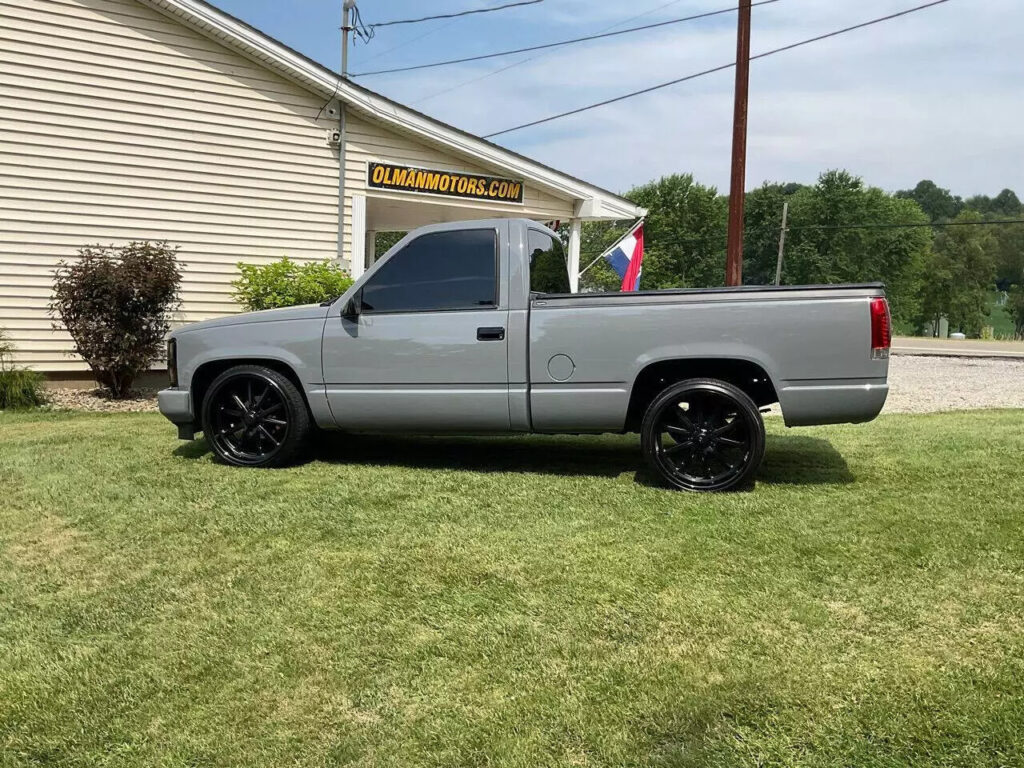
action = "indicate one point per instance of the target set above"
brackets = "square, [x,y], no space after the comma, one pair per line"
[169,120]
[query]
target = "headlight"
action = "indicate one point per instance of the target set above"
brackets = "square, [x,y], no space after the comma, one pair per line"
[172,361]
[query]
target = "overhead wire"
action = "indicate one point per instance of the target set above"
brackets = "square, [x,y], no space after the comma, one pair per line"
[515,64]
[712,70]
[543,46]
[453,15]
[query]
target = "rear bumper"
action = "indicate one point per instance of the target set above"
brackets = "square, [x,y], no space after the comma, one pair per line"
[176,405]
[805,404]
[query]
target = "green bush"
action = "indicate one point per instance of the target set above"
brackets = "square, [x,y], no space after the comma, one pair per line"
[116,303]
[19,387]
[287,284]
[1015,308]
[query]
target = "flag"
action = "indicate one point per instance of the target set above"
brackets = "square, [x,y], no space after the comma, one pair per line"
[627,257]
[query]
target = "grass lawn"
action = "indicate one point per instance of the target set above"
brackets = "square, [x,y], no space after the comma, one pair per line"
[511,602]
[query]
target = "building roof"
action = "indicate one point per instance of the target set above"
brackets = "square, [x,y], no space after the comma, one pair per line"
[597,203]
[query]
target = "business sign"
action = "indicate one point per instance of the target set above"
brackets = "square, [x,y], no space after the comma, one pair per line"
[402,178]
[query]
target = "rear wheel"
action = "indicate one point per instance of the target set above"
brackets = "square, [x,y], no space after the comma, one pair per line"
[703,435]
[255,417]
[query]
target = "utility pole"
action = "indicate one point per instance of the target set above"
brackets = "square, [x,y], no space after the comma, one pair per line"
[734,248]
[346,27]
[782,243]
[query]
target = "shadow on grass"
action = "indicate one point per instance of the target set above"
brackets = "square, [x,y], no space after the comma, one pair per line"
[789,460]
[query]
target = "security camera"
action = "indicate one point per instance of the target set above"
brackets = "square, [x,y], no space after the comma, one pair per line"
[334,137]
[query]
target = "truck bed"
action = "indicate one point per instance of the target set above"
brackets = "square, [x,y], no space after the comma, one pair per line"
[812,342]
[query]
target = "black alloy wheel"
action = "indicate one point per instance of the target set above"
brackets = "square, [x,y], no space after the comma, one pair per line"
[703,435]
[254,417]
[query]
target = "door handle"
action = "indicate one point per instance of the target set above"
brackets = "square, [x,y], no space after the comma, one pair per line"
[496,333]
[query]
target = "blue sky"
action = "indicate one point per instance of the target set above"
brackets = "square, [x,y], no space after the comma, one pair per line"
[936,94]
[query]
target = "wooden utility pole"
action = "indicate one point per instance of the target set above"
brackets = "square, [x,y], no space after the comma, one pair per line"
[782,243]
[737,189]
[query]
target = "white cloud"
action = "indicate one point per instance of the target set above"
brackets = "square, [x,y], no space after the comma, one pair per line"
[935,94]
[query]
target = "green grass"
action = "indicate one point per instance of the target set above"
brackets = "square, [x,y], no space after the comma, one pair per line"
[511,602]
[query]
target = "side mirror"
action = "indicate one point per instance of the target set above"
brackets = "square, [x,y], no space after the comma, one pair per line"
[353,308]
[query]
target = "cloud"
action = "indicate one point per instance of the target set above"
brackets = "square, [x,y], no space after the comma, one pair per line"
[934,94]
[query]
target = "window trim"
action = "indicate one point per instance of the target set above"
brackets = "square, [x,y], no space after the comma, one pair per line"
[481,308]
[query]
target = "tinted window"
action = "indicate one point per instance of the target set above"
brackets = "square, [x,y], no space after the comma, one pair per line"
[442,270]
[548,271]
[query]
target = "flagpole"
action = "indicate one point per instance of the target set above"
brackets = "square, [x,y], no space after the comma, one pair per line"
[611,247]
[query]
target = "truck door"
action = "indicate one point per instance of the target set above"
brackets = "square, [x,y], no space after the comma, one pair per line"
[427,351]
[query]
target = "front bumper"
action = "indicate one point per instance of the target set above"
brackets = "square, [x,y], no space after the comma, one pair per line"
[176,405]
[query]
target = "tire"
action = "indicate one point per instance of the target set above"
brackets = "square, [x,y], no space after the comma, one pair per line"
[253,416]
[703,435]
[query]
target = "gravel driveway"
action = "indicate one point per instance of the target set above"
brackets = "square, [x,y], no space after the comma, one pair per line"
[923,384]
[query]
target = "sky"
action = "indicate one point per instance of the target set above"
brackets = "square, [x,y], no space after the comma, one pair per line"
[936,94]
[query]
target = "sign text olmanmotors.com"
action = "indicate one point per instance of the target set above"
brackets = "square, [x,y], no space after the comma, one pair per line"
[401,178]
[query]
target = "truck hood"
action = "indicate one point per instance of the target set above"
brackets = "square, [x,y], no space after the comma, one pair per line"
[304,312]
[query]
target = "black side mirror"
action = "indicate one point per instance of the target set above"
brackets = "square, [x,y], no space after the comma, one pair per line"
[353,308]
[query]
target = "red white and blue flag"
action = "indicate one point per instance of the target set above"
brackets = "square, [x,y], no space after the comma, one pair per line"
[626,257]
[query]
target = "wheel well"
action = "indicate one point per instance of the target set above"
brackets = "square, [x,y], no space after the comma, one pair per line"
[207,372]
[748,376]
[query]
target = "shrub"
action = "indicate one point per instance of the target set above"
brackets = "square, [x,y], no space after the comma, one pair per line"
[19,387]
[1015,306]
[287,284]
[116,303]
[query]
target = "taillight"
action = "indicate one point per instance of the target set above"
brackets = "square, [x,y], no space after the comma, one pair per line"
[881,328]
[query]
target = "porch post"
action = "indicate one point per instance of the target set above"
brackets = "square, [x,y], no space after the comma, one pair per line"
[574,255]
[357,258]
[371,247]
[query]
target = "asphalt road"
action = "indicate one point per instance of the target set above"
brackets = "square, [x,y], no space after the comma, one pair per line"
[908,345]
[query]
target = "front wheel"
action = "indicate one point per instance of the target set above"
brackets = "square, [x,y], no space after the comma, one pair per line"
[703,435]
[254,417]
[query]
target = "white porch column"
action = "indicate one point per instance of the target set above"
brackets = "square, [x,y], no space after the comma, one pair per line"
[574,255]
[371,247]
[357,254]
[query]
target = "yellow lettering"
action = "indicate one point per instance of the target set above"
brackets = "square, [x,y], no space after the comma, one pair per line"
[461,185]
[446,181]
[378,174]
[432,181]
[492,191]
[513,190]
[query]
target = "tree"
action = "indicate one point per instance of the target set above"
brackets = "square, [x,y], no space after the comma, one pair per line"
[959,275]
[1006,203]
[763,215]
[684,236]
[938,204]
[828,241]
[1009,255]
[1015,306]
[116,303]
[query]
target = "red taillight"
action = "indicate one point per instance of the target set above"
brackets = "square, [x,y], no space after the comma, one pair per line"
[881,328]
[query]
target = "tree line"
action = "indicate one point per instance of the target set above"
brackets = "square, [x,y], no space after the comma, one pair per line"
[938,254]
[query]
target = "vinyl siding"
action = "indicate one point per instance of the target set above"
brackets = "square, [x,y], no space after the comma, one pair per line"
[119,123]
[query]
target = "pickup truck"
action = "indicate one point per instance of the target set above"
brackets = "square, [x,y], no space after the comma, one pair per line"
[470,328]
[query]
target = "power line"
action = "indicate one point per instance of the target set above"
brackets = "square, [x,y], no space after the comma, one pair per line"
[720,68]
[454,15]
[515,64]
[409,41]
[554,45]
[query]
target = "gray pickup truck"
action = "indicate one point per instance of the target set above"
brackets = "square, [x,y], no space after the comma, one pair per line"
[470,328]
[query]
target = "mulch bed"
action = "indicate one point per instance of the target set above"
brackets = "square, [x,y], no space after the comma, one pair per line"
[99,400]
